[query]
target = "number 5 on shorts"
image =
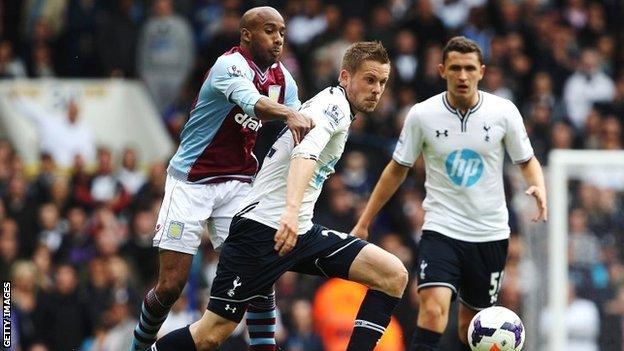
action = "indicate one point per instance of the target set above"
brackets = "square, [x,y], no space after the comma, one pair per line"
[496,282]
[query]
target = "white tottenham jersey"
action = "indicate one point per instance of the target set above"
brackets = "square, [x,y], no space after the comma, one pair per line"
[464,158]
[325,143]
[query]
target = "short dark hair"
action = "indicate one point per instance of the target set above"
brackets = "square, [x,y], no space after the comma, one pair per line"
[361,51]
[463,45]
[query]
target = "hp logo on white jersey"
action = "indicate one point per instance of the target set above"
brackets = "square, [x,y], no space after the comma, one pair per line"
[464,167]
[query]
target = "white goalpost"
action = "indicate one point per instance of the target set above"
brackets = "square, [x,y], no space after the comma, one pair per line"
[561,163]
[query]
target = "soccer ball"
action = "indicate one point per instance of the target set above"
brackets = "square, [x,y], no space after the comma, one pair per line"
[496,329]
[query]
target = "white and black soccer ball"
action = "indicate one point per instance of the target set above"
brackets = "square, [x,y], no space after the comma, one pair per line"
[496,329]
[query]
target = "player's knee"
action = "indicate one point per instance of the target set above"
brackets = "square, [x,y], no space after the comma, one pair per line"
[433,311]
[207,342]
[398,280]
[169,289]
[394,278]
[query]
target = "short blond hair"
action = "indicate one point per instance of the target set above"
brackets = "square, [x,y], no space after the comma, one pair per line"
[362,51]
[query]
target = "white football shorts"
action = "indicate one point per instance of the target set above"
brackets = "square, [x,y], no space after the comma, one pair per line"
[189,210]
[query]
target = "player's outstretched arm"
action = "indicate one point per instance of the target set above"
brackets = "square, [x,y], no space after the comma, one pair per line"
[393,175]
[299,175]
[533,175]
[298,123]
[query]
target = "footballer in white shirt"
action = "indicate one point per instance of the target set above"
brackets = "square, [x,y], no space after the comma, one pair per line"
[273,230]
[463,134]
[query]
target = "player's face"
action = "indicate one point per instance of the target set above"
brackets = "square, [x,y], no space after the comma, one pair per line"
[267,40]
[462,72]
[365,86]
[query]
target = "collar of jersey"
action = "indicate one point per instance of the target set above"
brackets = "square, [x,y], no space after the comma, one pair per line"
[457,112]
[344,92]
[254,66]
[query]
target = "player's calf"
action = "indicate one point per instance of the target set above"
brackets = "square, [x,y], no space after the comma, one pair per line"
[172,276]
[204,335]
[386,278]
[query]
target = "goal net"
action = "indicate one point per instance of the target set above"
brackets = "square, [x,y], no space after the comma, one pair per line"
[577,249]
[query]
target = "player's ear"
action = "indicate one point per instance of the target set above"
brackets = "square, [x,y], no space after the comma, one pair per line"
[482,70]
[245,35]
[441,70]
[344,77]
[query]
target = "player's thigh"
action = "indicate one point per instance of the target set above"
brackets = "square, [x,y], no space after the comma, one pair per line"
[380,270]
[248,266]
[438,263]
[325,252]
[483,267]
[228,197]
[182,215]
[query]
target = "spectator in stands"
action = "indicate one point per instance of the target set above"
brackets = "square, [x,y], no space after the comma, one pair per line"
[302,337]
[41,65]
[304,26]
[9,249]
[42,258]
[79,47]
[119,29]
[121,324]
[42,185]
[224,37]
[542,93]
[77,246]
[494,82]
[51,228]
[165,53]
[561,136]
[153,189]
[383,28]
[425,24]
[584,244]
[355,174]
[179,316]
[105,188]
[22,209]
[122,289]
[62,136]
[10,66]
[585,87]
[52,12]
[98,290]
[64,321]
[24,298]
[138,249]
[129,174]
[582,323]
[405,58]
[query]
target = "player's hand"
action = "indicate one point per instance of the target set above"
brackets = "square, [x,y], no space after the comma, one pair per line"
[360,232]
[299,125]
[286,235]
[540,198]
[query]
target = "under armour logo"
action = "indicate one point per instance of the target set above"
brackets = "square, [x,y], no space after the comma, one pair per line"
[423,265]
[228,308]
[487,131]
[440,132]
[236,283]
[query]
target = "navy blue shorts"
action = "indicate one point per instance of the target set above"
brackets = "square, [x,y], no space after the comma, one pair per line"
[249,265]
[472,270]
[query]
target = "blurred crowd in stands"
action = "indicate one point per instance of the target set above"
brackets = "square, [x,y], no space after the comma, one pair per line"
[76,242]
